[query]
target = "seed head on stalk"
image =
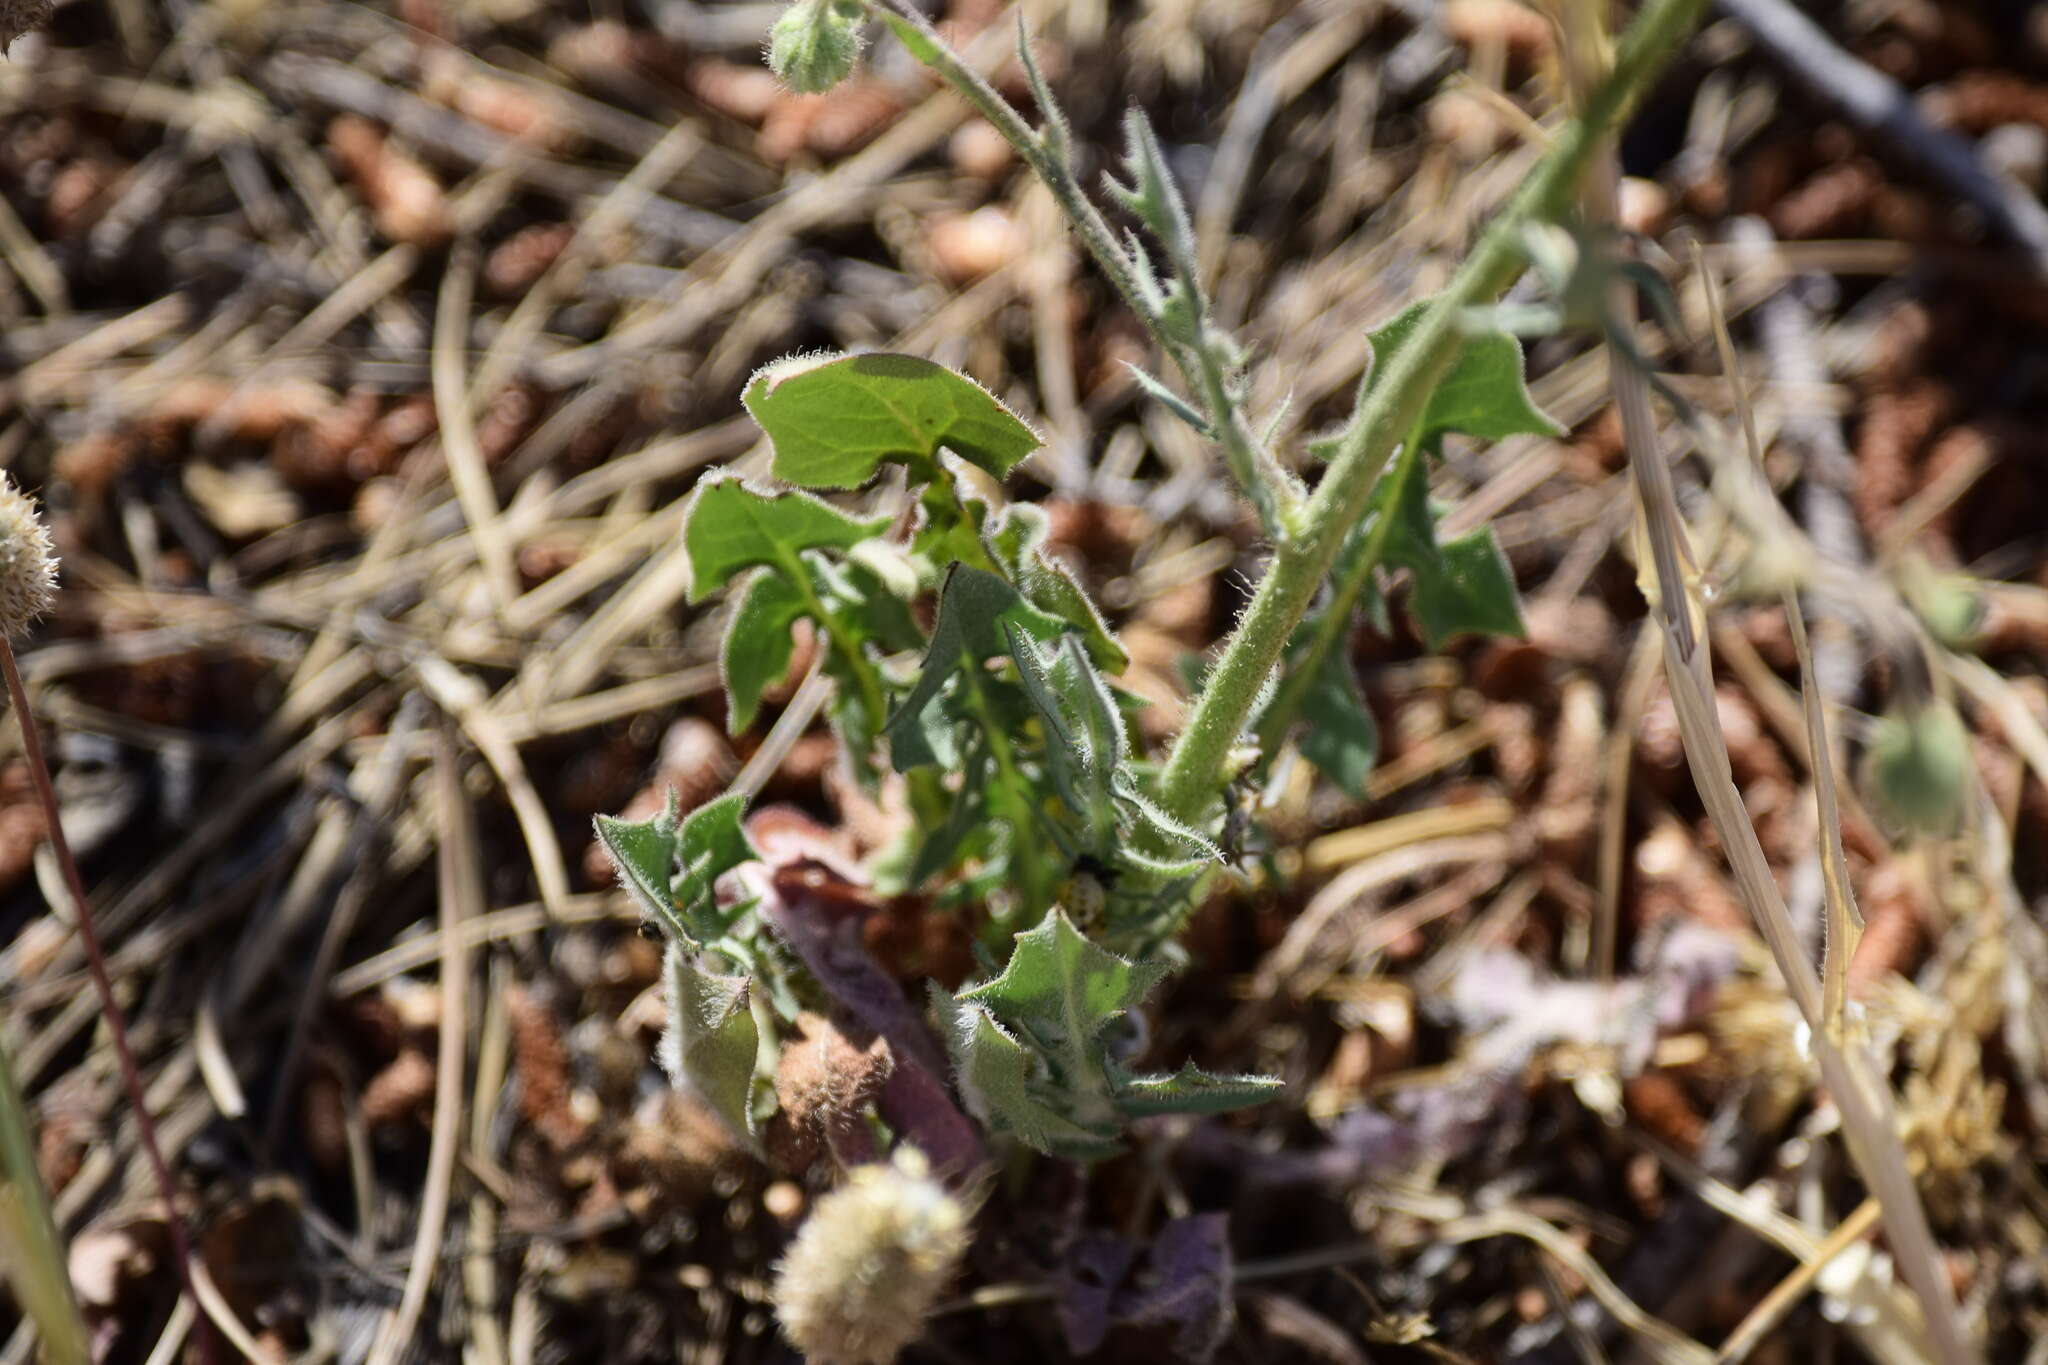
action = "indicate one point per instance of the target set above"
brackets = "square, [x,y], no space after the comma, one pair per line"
[28,563]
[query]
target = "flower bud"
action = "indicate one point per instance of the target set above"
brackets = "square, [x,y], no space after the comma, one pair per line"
[1918,766]
[870,1262]
[1951,606]
[28,564]
[815,43]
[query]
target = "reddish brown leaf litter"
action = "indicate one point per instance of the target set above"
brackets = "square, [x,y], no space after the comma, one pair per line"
[222,357]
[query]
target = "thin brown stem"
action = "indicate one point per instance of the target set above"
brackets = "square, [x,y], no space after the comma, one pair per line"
[103,983]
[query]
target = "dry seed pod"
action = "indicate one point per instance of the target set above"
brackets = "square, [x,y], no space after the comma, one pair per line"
[967,246]
[449,78]
[28,562]
[406,202]
[867,1266]
[22,16]
[1524,33]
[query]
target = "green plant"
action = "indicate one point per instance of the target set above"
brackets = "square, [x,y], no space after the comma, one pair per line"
[1032,813]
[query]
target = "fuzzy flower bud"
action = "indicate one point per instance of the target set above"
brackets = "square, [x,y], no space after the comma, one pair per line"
[815,43]
[28,564]
[870,1263]
[1919,765]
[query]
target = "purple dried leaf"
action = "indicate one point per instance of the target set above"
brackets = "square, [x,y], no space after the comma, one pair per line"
[821,919]
[916,1103]
[1188,1286]
[1087,1285]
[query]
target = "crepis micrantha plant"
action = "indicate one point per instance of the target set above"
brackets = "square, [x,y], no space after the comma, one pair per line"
[1000,726]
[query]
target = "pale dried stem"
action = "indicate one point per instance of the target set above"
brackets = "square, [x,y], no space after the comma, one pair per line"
[1861,1096]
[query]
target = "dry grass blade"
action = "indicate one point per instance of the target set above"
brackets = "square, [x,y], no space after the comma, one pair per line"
[466,467]
[463,697]
[458,871]
[1786,1294]
[1844,922]
[1863,1099]
[1663,1343]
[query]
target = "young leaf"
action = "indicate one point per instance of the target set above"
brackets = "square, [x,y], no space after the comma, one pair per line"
[731,527]
[1484,395]
[1017,544]
[1034,1059]
[1146,826]
[758,645]
[1000,1079]
[1155,388]
[835,421]
[712,1040]
[974,609]
[710,843]
[644,852]
[1058,980]
[1470,588]
[1192,1090]
[1084,730]
[1460,587]
[1341,737]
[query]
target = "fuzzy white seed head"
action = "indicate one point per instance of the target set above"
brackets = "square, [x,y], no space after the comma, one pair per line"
[28,563]
[870,1263]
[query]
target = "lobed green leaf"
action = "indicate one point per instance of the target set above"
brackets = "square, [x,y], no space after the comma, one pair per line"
[835,421]
[1340,736]
[1001,1078]
[732,526]
[644,854]
[1484,395]
[1469,589]
[975,608]
[1060,980]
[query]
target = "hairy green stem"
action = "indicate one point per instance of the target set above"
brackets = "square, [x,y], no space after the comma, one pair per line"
[1188,787]
[1274,491]
[1334,625]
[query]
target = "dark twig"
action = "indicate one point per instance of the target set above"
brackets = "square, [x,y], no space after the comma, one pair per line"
[1881,106]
